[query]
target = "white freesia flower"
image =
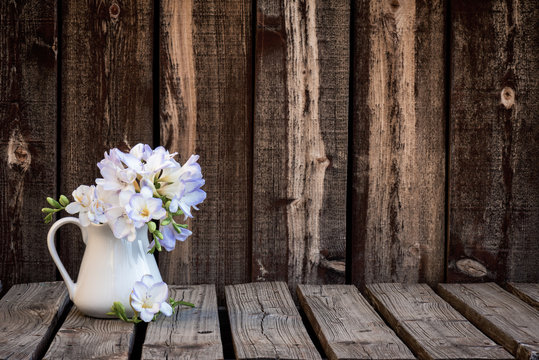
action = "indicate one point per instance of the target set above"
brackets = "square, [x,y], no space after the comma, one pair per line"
[182,185]
[115,176]
[149,298]
[120,223]
[143,207]
[146,162]
[83,197]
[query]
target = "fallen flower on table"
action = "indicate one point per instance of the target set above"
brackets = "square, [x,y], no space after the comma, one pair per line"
[148,299]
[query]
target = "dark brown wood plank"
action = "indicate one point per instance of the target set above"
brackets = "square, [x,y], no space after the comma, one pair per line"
[499,314]
[28,118]
[82,337]
[205,108]
[265,323]
[429,325]
[191,333]
[28,316]
[347,326]
[107,94]
[494,140]
[300,141]
[398,144]
[528,292]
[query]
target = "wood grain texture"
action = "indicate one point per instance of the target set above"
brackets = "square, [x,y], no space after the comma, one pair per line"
[205,108]
[28,315]
[528,292]
[28,118]
[106,92]
[265,323]
[347,326]
[82,337]
[300,141]
[398,145]
[429,325]
[191,333]
[494,140]
[499,314]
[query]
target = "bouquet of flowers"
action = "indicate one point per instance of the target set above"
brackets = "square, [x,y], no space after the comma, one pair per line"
[139,188]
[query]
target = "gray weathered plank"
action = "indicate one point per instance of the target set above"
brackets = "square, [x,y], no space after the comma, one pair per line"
[82,337]
[28,315]
[494,140]
[28,122]
[300,141]
[398,142]
[205,108]
[429,325]
[191,333]
[499,314]
[106,93]
[265,323]
[529,292]
[347,326]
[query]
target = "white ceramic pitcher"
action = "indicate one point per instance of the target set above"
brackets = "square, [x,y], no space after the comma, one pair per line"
[109,269]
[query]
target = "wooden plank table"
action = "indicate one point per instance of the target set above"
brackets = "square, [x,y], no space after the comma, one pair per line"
[499,314]
[528,292]
[429,325]
[38,321]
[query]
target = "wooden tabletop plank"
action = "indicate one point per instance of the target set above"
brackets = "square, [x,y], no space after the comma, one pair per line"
[347,326]
[28,315]
[265,323]
[528,292]
[191,333]
[499,314]
[82,337]
[429,325]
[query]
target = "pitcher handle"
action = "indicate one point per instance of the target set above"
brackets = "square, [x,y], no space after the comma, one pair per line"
[71,286]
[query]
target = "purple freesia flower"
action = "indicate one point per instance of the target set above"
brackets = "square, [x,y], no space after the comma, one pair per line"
[170,236]
[143,207]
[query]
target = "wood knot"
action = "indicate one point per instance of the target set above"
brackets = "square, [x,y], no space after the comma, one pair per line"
[114,11]
[507,97]
[471,268]
[18,154]
[394,4]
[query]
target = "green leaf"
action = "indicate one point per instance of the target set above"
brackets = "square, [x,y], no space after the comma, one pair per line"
[47,210]
[165,222]
[54,203]
[151,226]
[64,200]
[48,218]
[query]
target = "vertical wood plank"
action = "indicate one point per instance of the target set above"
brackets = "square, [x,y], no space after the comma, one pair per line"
[494,139]
[398,142]
[28,48]
[300,141]
[205,62]
[106,92]
[29,314]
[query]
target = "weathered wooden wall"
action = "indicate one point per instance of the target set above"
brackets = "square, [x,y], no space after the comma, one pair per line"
[341,141]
